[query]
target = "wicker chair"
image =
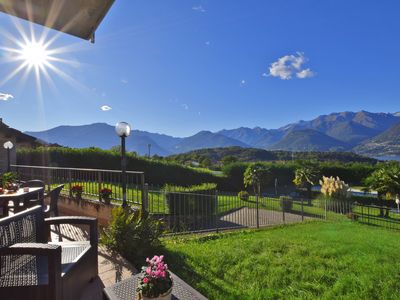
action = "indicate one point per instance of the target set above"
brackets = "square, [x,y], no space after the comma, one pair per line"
[32,268]
[51,210]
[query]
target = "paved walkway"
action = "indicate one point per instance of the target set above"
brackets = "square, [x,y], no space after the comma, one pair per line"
[247,217]
[112,269]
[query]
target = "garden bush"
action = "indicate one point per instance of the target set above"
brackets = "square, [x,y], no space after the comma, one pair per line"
[132,234]
[243,195]
[286,203]
[193,200]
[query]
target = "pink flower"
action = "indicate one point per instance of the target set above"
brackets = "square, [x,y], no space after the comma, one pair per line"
[148,270]
[145,280]
[163,274]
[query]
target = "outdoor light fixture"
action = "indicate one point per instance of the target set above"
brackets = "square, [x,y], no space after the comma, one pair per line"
[8,145]
[123,130]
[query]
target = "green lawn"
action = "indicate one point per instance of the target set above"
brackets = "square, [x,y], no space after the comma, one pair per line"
[313,260]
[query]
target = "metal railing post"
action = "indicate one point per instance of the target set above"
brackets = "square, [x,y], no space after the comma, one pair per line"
[145,197]
[216,211]
[70,183]
[258,220]
[283,210]
[99,184]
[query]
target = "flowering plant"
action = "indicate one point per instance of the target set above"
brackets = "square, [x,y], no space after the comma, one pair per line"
[155,279]
[77,190]
[105,194]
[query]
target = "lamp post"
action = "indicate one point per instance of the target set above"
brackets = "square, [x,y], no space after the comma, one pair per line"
[8,145]
[123,130]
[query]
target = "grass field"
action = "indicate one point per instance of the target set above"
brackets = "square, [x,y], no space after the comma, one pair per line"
[313,260]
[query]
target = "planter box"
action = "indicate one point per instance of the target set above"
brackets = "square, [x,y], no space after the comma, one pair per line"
[88,208]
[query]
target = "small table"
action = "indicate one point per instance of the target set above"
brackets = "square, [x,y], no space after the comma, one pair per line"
[126,290]
[17,197]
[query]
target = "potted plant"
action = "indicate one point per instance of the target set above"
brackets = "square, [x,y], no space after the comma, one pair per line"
[77,191]
[155,282]
[105,195]
[7,181]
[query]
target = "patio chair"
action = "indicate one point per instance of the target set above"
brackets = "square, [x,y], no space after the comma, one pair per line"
[51,210]
[32,268]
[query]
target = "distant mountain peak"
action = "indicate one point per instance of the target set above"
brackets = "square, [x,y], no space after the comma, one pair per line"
[338,130]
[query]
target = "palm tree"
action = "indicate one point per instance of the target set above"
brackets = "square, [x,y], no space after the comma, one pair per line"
[306,176]
[386,181]
[256,175]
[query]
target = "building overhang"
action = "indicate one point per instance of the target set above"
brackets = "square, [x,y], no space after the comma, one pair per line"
[79,18]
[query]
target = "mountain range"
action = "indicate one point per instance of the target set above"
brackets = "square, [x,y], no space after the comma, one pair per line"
[374,134]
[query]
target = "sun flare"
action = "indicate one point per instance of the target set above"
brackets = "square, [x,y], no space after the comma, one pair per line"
[35,54]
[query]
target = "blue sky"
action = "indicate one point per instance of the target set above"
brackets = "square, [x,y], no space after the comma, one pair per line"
[178,67]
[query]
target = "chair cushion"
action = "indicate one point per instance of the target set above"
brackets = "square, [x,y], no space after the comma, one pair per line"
[28,270]
[71,252]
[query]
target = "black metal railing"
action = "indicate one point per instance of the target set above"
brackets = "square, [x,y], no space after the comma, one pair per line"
[374,215]
[92,181]
[188,211]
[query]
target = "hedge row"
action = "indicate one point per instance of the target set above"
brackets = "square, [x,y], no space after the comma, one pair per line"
[159,172]
[156,172]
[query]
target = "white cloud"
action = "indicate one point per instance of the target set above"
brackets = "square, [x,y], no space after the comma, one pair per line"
[208,43]
[106,108]
[199,8]
[6,97]
[185,106]
[288,66]
[124,81]
[242,82]
[306,73]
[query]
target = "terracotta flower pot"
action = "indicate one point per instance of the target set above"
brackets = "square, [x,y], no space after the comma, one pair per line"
[166,296]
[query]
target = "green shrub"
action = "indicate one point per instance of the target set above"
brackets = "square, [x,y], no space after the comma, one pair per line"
[132,234]
[286,203]
[243,195]
[192,200]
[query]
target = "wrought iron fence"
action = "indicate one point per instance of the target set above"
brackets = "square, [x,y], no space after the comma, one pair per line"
[91,180]
[382,216]
[194,212]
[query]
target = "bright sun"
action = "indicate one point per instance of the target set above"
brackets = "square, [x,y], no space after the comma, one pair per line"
[35,54]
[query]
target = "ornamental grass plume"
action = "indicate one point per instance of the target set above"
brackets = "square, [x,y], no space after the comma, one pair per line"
[334,187]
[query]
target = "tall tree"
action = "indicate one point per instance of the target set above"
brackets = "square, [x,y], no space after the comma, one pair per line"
[256,175]
[306,176]
[386,181]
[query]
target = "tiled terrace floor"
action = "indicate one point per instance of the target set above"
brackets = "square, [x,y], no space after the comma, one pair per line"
[112,269]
